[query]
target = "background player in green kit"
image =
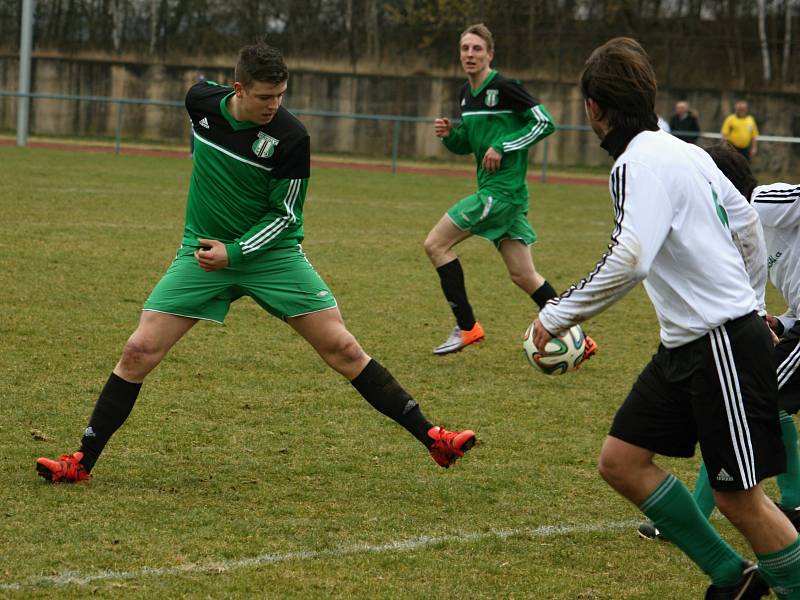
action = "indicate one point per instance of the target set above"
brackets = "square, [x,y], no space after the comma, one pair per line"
[500,120]
[244,225]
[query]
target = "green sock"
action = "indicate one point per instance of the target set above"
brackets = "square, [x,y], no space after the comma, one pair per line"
[789,482]
[676,514]
[703,494]
[781,570]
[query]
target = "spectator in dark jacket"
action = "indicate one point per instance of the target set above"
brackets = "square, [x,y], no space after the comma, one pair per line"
[684,123]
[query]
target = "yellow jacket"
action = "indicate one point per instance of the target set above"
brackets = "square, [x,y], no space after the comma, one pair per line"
[740,131]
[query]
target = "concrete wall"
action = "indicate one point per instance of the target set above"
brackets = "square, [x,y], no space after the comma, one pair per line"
[422,96]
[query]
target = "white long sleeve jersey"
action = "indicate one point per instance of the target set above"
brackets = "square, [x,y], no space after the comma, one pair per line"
[682,228]
[778,206]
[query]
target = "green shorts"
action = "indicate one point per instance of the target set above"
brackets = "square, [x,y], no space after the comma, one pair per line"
[492,219]
[281,281]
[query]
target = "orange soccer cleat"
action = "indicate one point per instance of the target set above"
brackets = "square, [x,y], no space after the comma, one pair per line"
[589,351]
[460,339]
[67,469]
[450,445]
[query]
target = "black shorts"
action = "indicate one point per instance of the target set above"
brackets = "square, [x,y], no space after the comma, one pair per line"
[719,390]
[787,366]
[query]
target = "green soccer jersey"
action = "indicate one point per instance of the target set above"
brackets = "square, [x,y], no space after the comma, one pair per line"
[248,181]
[502,115]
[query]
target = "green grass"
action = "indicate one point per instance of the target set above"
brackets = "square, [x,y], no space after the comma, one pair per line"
[243,443]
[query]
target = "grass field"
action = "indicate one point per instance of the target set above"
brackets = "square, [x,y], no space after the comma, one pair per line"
[247,469]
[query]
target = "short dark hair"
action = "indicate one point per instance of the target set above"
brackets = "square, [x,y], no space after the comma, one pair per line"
[734,166]
[260,62]
[619,77]
[482,31]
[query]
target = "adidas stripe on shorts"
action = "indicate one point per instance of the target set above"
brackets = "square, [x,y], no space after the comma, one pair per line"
[787,367]
[719,390]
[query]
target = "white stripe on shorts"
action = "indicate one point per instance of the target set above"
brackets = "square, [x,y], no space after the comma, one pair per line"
[787,368]
[734,406]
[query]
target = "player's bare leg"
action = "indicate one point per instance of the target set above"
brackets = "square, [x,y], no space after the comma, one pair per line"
[519,262]
[144,350]
[156,334]
[326,332]
[441,239]
[630,471]
[439,248]
[758,518]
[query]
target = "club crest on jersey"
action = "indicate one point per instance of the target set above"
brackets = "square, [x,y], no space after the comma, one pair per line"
[264,146]
[492,97]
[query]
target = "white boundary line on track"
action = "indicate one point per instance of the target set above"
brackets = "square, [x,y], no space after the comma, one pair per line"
[76,578]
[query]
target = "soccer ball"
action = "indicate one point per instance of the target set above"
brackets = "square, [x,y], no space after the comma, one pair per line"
[561,354]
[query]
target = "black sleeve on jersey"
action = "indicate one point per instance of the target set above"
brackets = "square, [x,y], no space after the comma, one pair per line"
[293,159]
[517,96]
[462,96]
[203,98]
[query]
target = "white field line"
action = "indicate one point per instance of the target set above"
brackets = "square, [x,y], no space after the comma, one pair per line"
[77,578]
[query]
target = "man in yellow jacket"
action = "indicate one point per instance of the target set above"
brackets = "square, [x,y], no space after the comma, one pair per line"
[740,129]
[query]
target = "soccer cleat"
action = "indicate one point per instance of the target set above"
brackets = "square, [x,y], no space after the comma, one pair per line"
[449,445]
[67,469]
[648,531]
[459,339]
[750,587]
[793,514]
[589,351]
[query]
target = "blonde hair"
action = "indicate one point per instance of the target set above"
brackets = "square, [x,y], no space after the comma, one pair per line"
[482,31]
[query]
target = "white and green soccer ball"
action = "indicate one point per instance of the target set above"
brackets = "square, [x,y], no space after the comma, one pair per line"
[561,354]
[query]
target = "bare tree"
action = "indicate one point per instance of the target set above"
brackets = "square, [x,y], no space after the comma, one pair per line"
[787,40]
[762,38]
[373,30]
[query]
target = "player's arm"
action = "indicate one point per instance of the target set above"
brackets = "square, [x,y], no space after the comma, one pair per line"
[748,236]
[286,193]
[537,123]
[286,197]
[782,323]
[457,138]
[642,219]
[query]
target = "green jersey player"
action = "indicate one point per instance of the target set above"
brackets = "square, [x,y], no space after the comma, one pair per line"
[500,120]
[244,225]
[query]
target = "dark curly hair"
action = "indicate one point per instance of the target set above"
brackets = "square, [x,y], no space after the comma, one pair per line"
[734,166]
[260,62]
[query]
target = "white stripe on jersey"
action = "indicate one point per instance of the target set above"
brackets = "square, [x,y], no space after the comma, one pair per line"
[272,230]
[473,113]
[231,154]
[787,368]
[539,126]
[618,196]
[778,207]
[734,406]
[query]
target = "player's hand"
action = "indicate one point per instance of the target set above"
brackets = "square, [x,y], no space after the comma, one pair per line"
[442,127]
[540,335]
[775,328]
[491,160]
[213,256]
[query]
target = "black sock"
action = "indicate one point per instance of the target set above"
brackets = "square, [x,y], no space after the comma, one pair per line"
[387,396]
[451,277]
[110,411]
[543,293]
